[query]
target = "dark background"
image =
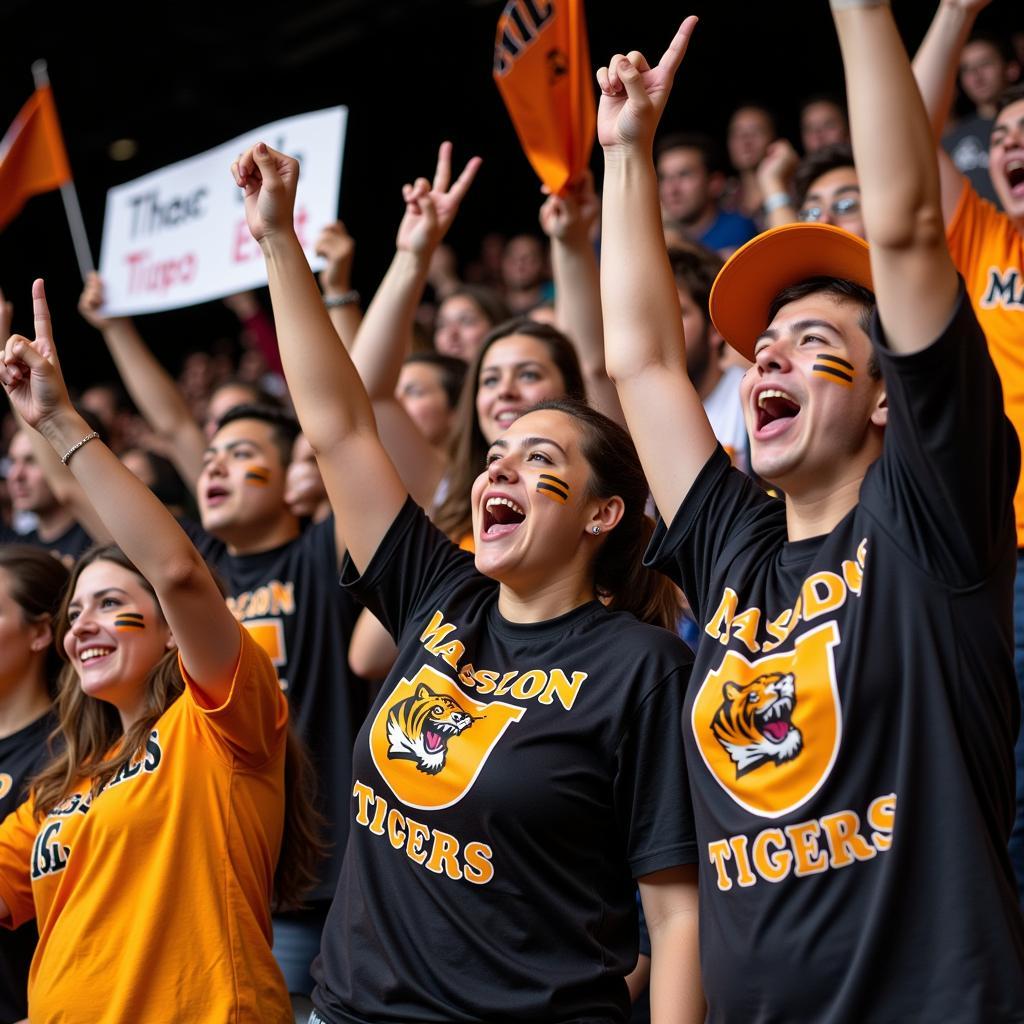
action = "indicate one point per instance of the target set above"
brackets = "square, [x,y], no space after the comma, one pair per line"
[182,77]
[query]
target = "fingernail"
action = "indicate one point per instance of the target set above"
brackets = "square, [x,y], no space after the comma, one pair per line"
[261,148]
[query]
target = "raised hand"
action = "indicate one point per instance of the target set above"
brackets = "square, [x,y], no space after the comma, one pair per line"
[338,247]
[91,302]
[633,94]
[268,180]
[775,171]
[571,218]
[431,208]
[30,372]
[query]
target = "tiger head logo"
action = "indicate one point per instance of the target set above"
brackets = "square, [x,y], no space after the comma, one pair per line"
[754,722]
[419,728]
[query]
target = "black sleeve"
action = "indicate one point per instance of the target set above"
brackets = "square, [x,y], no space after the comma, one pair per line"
[414,562]
[722,507]
[944,485]
[211,549]
[652,794]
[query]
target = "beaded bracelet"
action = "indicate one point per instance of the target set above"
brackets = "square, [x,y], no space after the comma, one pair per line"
[74,448]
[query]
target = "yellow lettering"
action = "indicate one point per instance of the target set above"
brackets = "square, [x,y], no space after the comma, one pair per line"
[772,867]
[882,818]
[842,830]
[283,595]
[443,853]
[433,639]
[418,833]
[809,858]
[745,626]
[396,828]
[365,795]
[466,676]
[485,681]
[723,617]
[777,627]
[743,873]
[261,601]
[823,592]
[479,870]
[719,853]
[862,552]
[529,684]
[379,810]
[505,685]
[791,623]
[853,575]
[559,686]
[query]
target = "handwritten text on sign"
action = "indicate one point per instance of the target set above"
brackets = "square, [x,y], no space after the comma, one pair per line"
[178,236]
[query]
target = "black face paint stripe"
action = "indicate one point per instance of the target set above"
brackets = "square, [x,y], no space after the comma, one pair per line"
[832,372]
[554,491]
[836,360]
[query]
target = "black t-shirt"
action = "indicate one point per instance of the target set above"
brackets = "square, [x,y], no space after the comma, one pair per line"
[68,547]
[21,756]
[851,722]
[509,784]
[289,599]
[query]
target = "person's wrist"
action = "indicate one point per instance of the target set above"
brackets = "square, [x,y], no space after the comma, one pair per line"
[278,240]
[334,289]
[62,428]
[776,200]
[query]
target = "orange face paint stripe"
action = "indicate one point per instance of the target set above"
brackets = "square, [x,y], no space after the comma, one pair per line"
[834,375]
[552,492]
[129,620]
[835,361]
[258,476]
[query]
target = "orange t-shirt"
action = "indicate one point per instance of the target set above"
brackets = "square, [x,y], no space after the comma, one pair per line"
[152,899]
[989,252]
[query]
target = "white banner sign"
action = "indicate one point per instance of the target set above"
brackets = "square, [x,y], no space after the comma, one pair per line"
[178,236]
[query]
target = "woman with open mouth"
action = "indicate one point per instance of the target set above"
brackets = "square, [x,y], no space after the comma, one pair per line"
[519,772]
[151,847]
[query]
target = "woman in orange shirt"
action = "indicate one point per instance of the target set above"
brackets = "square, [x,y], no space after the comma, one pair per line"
[147,849]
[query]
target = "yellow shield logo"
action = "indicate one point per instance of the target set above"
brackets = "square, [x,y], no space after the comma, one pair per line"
[429,740]
[769,729]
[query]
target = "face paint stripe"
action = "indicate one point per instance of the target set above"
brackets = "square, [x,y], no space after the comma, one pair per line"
[258,476]
[550,491]
[836,376]
[842,363]
[128,624]
[131,615]
[547,477]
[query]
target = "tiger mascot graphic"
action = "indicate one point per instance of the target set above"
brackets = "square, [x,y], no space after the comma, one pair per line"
[420,727]
[754,722]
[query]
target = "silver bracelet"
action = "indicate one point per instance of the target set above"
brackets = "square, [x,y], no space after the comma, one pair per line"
[78,444]
[776,201]
[348,299]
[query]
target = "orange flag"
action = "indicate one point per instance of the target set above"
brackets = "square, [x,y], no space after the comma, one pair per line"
[32,155]
[542,70]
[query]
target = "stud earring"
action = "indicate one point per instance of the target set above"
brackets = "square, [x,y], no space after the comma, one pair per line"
[596,530]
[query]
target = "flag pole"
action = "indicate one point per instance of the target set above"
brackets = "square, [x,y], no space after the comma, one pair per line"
[72,209]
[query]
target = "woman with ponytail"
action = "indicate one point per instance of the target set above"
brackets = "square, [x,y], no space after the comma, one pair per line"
[147,848]
[521,766]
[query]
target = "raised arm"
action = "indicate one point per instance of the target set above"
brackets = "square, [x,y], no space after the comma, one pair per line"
[644,345]
[569,221]
[206,632]
[914,280]
[935,68]
[152,388]
[331,402]
[338,247]
[775,176]
[386,331]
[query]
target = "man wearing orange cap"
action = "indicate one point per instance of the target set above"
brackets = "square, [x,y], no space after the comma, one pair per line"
[850,721]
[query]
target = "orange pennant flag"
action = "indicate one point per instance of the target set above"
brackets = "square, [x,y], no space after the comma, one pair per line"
[32,155]
[542,70]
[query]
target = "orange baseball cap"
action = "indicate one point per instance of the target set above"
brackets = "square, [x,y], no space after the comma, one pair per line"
[756,272]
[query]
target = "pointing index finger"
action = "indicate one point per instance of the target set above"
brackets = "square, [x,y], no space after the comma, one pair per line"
[40,311]
[673,56]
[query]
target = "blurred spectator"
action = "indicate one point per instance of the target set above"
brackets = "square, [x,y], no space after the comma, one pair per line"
[524,273]
[823,122]
[987,67]
[751,129]
[827,189]
[465,316]
[690,184]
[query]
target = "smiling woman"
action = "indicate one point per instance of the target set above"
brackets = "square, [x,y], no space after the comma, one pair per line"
[520,756]
[175,746]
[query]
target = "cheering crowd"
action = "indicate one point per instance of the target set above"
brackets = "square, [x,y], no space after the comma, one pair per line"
[353,681]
